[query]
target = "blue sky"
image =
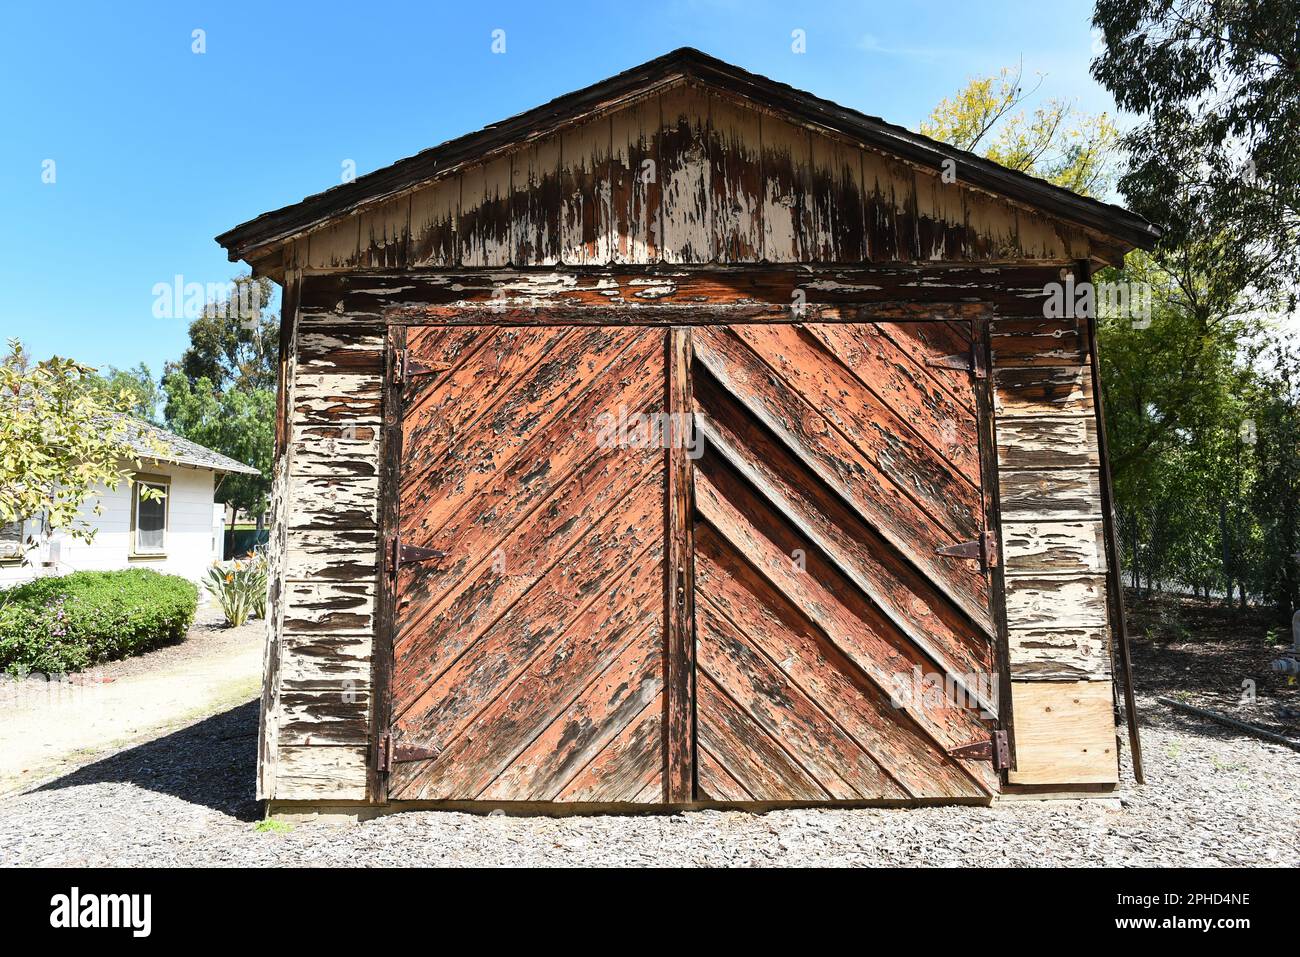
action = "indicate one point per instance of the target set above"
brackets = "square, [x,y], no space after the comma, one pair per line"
[157,149]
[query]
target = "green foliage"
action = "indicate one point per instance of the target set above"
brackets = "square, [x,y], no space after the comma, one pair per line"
[234,344]
[1201,404]
[1218,88]
[239,587]
[53,625]
[272,826]
[237,423]
[60,440]
[222,392]
[135,388]
[1201,410]
[1056,142]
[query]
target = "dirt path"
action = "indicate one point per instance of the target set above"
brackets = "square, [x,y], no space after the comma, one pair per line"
[51,727]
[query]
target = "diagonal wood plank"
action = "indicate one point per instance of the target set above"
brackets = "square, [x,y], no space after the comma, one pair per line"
[926,614]
[780,708]
[571,553]
[863,421]
[604,709]
[747,752]
[814,664]
[916,398]
[860,633]
[630,763]
[907,528]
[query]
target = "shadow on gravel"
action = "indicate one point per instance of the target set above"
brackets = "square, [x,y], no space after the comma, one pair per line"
[212,763]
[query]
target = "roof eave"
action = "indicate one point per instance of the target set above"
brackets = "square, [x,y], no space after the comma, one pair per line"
[253,239]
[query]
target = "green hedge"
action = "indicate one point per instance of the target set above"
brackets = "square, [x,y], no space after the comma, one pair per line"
[53,625]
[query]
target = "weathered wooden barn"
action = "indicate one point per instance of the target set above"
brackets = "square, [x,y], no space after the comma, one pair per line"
[689,439]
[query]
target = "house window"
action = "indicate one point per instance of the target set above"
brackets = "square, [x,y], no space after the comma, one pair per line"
[149,508]
[12,537]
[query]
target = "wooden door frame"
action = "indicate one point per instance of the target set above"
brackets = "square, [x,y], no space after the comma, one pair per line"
[679,625]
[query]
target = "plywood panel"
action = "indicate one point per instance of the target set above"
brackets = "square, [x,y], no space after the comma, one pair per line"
[1065,733]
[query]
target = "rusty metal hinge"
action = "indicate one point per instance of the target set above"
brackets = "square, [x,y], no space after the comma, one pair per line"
[387,753]
[995,749]
[401,553]
[984,548]
[972,362]
[405,368]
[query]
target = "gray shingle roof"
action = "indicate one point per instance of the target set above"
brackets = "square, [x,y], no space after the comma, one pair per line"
[147,439]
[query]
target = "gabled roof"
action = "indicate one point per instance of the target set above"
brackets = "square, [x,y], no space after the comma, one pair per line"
[158,445]
[687,64]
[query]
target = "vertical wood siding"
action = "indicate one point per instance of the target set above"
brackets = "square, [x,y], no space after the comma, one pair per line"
[690,176]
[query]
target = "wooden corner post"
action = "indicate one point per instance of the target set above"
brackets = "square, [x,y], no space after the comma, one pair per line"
[1114,578]
[679,570]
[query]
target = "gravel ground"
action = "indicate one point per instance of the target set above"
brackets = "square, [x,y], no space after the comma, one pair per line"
[1212,798]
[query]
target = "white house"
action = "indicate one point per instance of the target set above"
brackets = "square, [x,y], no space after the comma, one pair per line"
[180,534]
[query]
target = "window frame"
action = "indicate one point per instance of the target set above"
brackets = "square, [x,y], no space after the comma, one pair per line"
[163,482]
[19,552]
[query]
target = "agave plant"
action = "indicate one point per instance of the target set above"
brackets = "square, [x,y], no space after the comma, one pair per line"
[239,587]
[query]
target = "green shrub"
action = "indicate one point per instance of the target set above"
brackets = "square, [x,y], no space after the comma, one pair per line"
[239,587]
[53,625]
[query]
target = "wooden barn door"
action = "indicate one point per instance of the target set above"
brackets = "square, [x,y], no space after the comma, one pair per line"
[528,630]
[793,605]
[840,462]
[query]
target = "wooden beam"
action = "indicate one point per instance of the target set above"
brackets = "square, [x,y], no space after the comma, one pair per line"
[386,610]
[679,570]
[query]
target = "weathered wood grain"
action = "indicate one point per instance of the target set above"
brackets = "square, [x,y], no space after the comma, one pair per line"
[1047,443]
[1042,547]
[322,773]
[795,723]
[1021,343]
[1036,601]
[1059,654]
[687,176]
[858,480]
[1038,391]
[334,607]
[537,204]
[735,181]
[1049,494]
[679,573]
[636,186]
[775,626]
[525,655]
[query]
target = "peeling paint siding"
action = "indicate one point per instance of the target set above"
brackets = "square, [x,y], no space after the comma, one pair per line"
[317,722]
[691,176]
[1053,544]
